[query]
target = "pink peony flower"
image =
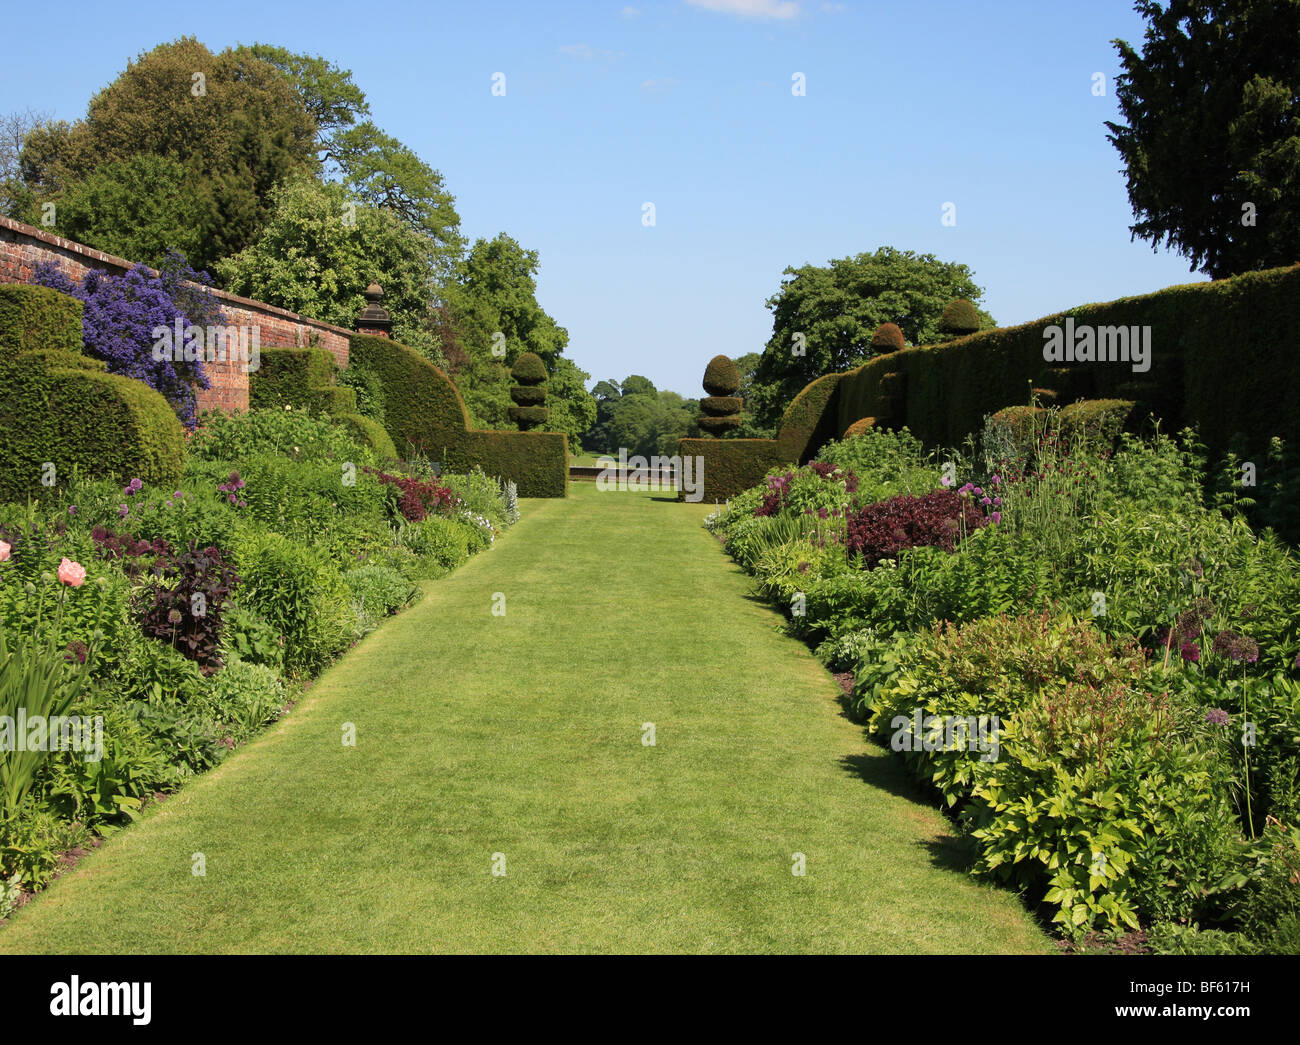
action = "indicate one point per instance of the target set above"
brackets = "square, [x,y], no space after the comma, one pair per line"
[5,549]
[72,573]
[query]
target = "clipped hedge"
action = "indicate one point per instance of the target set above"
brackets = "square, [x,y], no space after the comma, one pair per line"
[721,406]
[1225,356]
[304,379]
[528,395]
[60,407]
[733,465]
[290,377]
[730,465]
[36,318]
[335,400]
[424,413]
[1099,421]
[369,432]
[959,318]
[538,462]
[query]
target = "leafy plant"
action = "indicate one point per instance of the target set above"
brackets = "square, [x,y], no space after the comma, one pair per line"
[183,607]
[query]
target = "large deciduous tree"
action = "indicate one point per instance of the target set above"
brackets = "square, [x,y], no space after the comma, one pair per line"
[823,318]
[319,251]
[232,121]
[1210,136]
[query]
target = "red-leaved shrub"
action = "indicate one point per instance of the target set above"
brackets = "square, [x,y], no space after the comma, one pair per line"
[419,497]
[938,520]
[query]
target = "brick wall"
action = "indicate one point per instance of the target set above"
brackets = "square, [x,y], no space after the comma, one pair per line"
[23,247]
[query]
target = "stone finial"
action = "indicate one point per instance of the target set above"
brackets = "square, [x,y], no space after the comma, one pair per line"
[374,318]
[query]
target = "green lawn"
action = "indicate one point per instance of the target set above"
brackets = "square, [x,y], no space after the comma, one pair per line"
[481,734]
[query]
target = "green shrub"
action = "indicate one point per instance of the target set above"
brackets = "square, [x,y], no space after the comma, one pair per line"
[721,377]
[1097,423]
[369,390]
[886,463]
[304,599]
[301,499]
[480,494]
[377,591]
[292,434]
[369,433]
[246,636]
[528,417]
[439,541]
[1098,796]
[529,369]
[30,846]
[525,395]
[334,401]
[529,392]
[242,698]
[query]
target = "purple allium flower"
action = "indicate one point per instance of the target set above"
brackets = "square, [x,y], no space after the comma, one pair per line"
[1216,717]
[174,617]
[1190,651]
[123,511]
[996,480]
[1236,647]
[996,517]
[977,491]
[945,481]
[997,500]
[72,509]
[986,500]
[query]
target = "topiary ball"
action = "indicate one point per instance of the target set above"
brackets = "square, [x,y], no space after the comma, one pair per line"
[887,338]
[721,377]
[529,369]
[960,317]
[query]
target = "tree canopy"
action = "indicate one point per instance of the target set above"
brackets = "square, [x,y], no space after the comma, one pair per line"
[1210,136]
[823,318]
[230,120]
[635,416]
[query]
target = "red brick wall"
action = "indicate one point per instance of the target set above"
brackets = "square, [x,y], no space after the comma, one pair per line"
[23,247]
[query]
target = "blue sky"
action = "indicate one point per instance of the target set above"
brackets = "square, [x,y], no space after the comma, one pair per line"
[687,104]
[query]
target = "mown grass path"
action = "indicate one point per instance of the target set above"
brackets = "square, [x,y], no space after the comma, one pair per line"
[522,735]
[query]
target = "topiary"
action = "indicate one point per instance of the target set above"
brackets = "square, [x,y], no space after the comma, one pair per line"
[859,427]
[720,410]
[721,377]
[529,392]
[959,319]
[888,338]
